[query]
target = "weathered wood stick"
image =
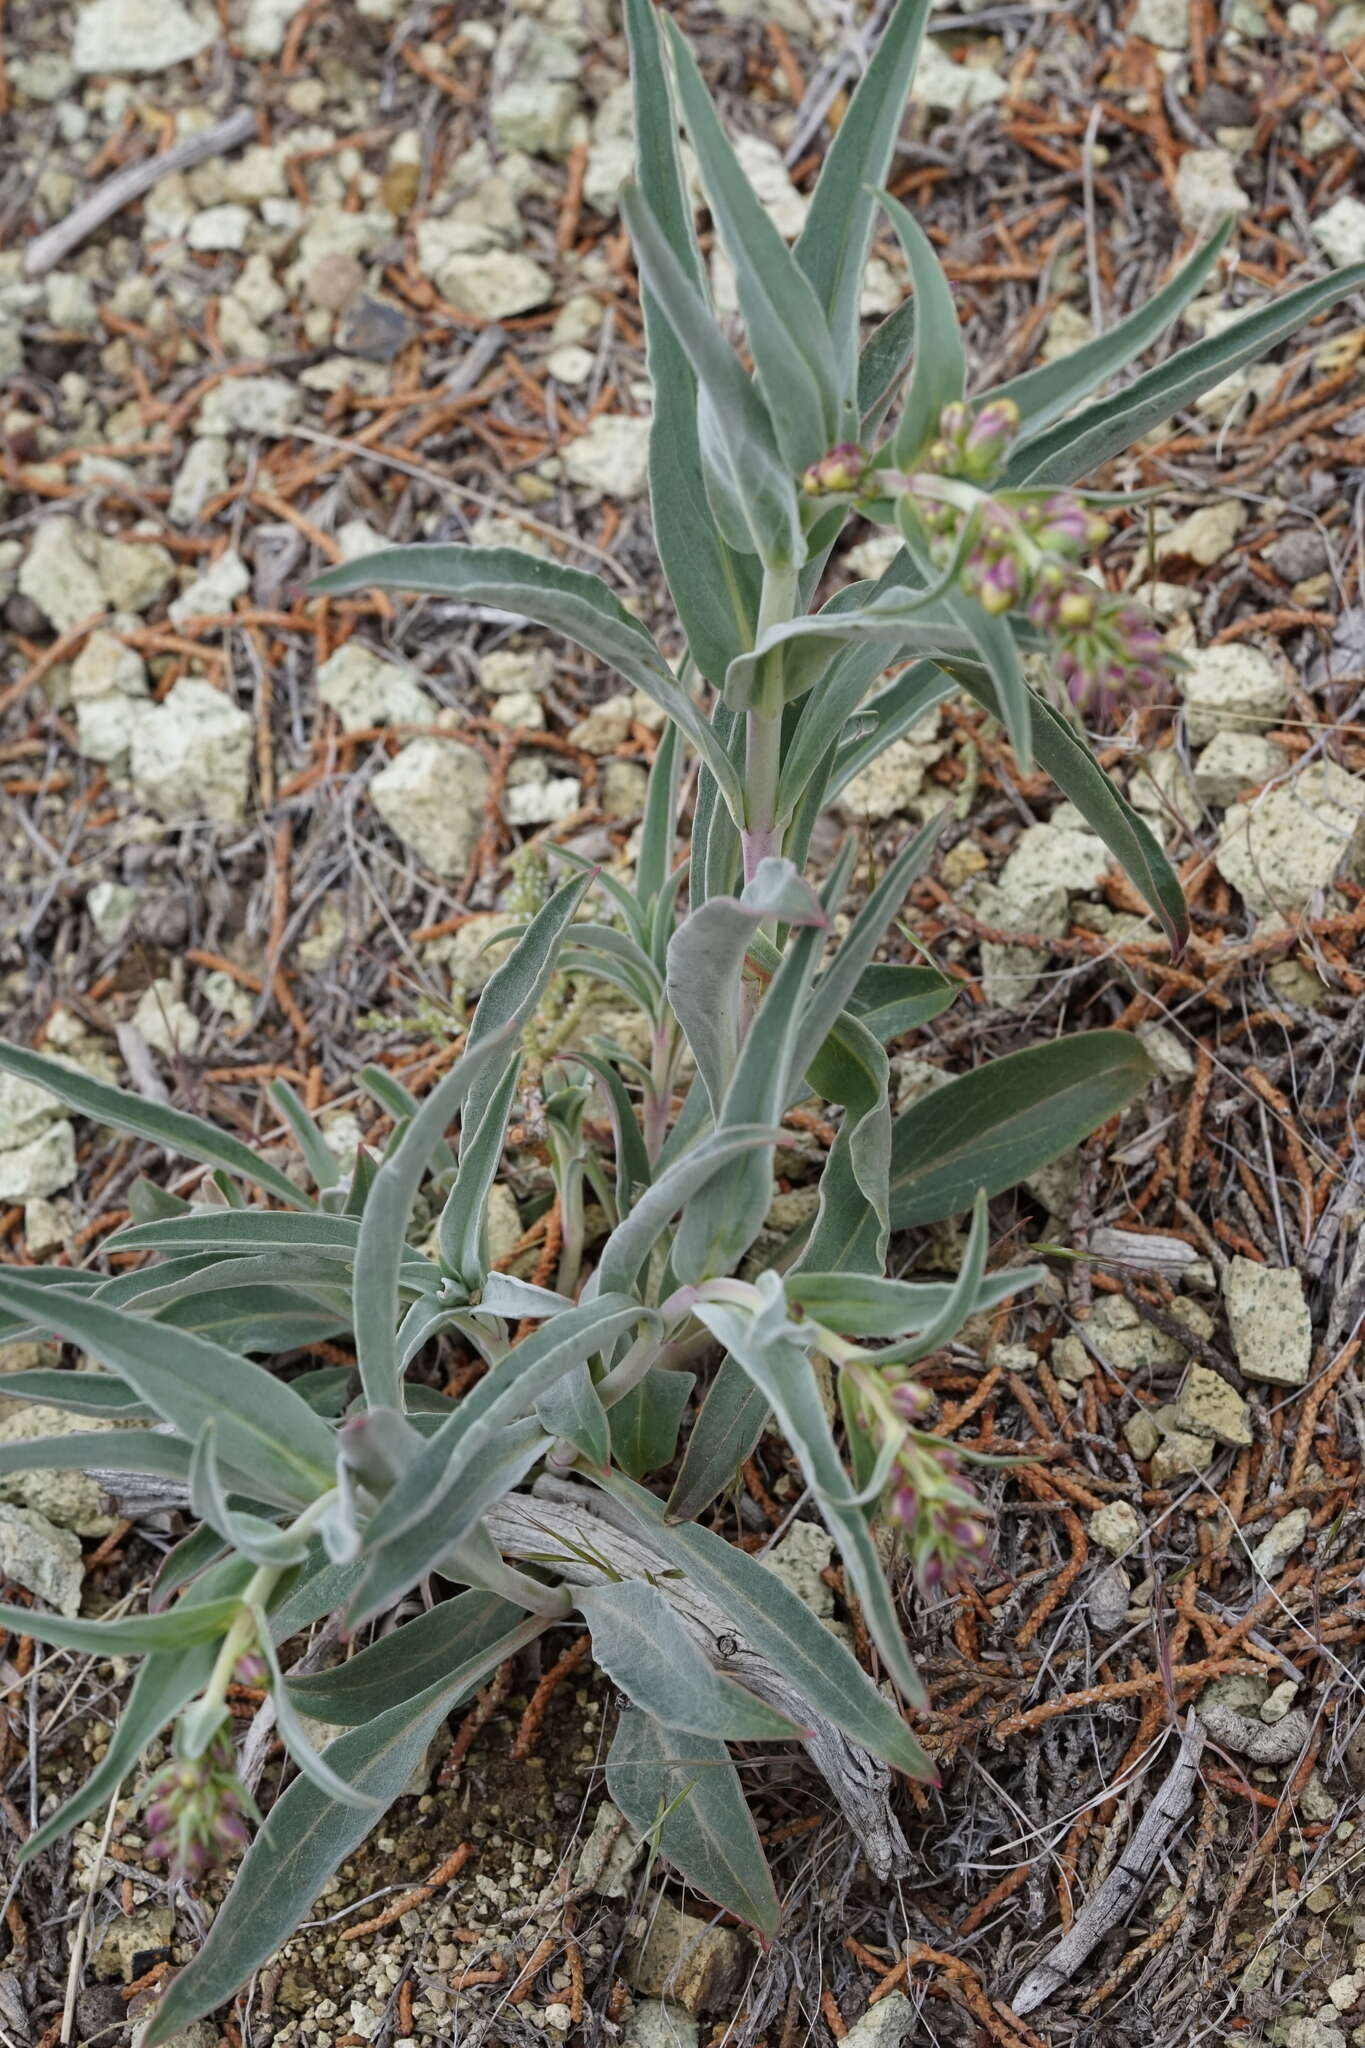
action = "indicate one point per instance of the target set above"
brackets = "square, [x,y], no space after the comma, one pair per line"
[1119,1893]
[125,186]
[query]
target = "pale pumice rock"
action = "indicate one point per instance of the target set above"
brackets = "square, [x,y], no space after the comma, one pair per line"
[611,456]
[1288,844]
[1232,688]
[1340,231]
[41,1166]
[1233,763]
[58,575]
[1268,1317]
[1206,189]
[165,1021]
[432,797]
[1115,1527]
[366,690]
[140,36]
[191,755]
[45,1561]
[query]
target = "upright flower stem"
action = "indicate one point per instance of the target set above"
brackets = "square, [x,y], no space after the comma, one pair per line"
[763,737]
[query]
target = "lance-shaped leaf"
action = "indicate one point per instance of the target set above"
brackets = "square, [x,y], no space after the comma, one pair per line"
[866,1305]
[999,655]
[683,1791]
[639,1642]
[566,600]
[706,962]
[264,1427]
[891,999]
[79,1393]
[714,1235]
[902,622]
[130,1635]
[633,1169]
[833,245]
[571,1410]
[853,1221]
[252,1536]
[769,1617]
[646,1420]
[659,827]
[463,1228]
[886,356]
[1075,446]
[989,1129]
[938,376]
[770,1348]
[730,1424]
[187,1135]
[306,1835]
[788,336]
[715,588]
[636,1235]
[407,1663]
[317,1153]
[762,479]
[884,718]
[1055,389]
[508,1000]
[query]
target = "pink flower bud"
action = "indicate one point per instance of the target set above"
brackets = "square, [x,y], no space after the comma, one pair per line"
[843,469]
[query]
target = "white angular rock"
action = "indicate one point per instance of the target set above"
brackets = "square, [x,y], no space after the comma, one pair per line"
[887,2024]
[364,690]
[219,227]
[1055,857]
[105,726]
[112,907]
[1168,1054]
[535,115]
[1232,688]
[1115,1527]
[41,1166]
[165,1021]
[26,1108]
[609,1855]
[59,576]
[1282,848]
[953,88]
[105,664]
[249,405]
[211,594]
[1208,1405]
[1340,232]
[1268,1317]
[432,796]
[139,36]
[44,1560]
[191,755]
[495,285]
[611,456]
[1234,762]
[201,476]
[132,573]
[1277,1546]
[1206,189]
[266,26]
[659,2023]
[535,797]
[1205,535]
[1163,22]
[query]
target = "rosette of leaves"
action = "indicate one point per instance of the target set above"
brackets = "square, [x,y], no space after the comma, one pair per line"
[324,1491]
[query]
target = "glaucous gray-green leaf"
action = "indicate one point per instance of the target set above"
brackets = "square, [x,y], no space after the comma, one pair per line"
[1054,389]
[886,356]
[715,588]
[891,999]
[264,1428]
[463,1228]
[764,480]
[636,1235]
[317,1154]
[299,1742]
[1073,447]
[516,1300]
[78,1393]
[706,961]
[568,601]
[684,1791]
[998,652]
[659,826]
[410,1660]
[508,1000]
[571,1410]
[769,1347]
[713,1235]
[907,699]
[853,1221]
[642,1646]
[938,375]
[724,1434]
[788,337]
[129,1635]
[149,1451]
[913,624]
[646,1420]
[833,246]
[988,1129]
[252,1536]
[768,1616]
[633,1170]
[306,1835]
[866,1305]
[121,1111]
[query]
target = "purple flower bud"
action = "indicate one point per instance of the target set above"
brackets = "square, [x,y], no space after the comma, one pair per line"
[990,436]
[954,422]
[843,469]
[910,1399]
[1000,585]
[1075,608]
[251,1669]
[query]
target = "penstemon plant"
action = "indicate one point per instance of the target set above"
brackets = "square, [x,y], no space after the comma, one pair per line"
[328,1492]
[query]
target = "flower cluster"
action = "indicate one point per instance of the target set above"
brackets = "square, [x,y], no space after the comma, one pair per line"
[936,1513]
[1017,549]
[196,1810]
